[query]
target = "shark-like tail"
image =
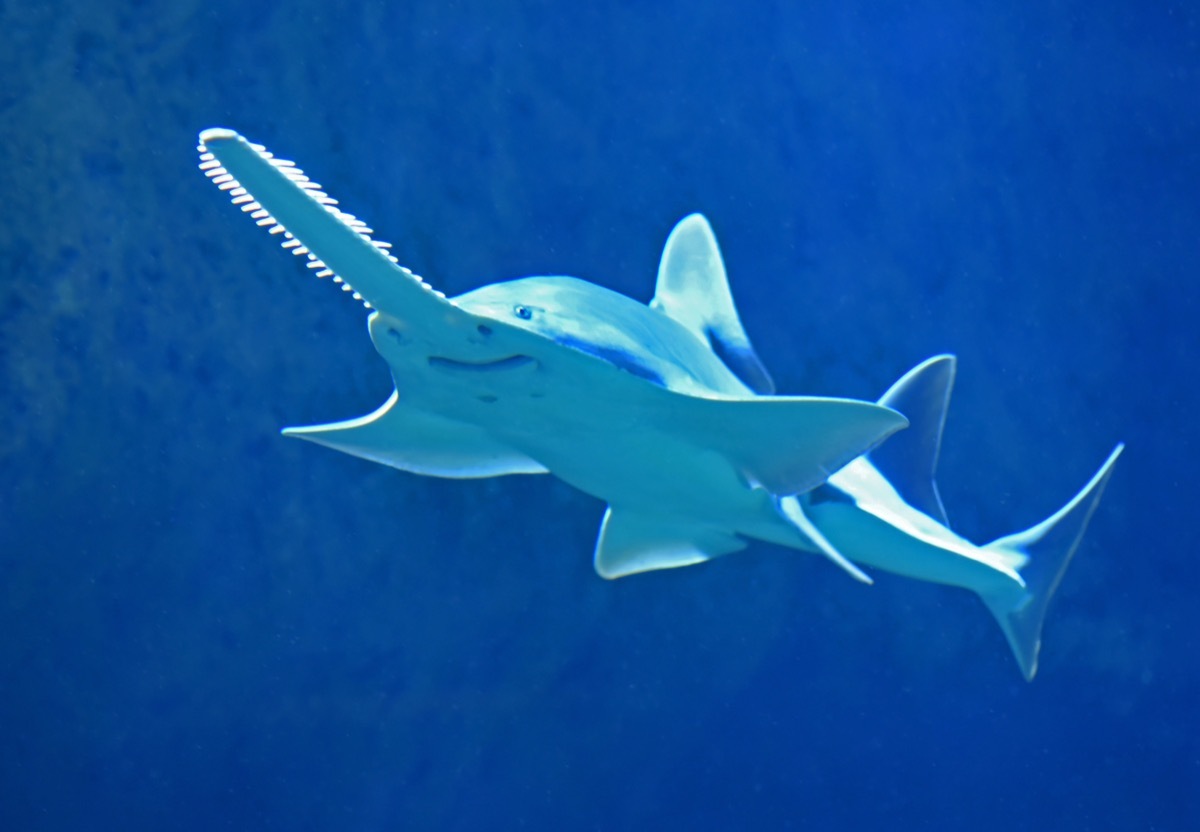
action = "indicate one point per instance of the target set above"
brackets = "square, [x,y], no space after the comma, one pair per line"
[1043,553]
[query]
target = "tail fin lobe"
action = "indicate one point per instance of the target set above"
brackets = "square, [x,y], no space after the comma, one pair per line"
[1048,548]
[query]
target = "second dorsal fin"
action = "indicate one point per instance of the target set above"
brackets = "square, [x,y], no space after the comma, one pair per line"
[909,460]
[692,289]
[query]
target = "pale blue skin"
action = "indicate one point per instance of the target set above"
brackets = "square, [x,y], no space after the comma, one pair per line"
[632,404]
[624,401]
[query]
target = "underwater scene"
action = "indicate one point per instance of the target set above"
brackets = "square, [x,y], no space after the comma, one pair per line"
[715,416]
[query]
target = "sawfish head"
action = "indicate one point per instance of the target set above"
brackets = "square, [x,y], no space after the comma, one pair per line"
[689,339]
[567,312]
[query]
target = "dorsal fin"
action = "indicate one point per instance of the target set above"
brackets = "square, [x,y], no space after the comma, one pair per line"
[692,289]
[909,460]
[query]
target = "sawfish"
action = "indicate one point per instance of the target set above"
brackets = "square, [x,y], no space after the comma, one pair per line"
[625,401]
[663,410]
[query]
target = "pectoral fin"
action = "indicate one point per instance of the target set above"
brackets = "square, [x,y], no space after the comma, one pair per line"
[421,443]
[787,444]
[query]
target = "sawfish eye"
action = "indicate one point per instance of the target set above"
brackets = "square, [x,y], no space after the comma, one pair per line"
[523,312]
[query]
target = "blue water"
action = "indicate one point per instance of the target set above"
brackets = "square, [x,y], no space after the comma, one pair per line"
[204,625]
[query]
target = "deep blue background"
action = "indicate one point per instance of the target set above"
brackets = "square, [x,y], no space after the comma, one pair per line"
[204,625]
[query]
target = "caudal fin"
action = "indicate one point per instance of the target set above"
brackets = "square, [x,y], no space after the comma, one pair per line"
[1044,552]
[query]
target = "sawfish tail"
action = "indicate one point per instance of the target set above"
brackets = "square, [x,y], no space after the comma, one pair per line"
[1043,553]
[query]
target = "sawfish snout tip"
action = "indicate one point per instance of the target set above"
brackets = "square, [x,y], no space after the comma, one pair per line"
[217,134]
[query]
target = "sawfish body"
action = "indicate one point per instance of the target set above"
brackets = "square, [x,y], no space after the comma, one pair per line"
[664,411]
[628,402]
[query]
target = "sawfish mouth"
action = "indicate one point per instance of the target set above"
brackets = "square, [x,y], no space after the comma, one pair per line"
[512,362]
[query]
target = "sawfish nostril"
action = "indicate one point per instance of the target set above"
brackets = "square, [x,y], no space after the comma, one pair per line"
[484,330]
